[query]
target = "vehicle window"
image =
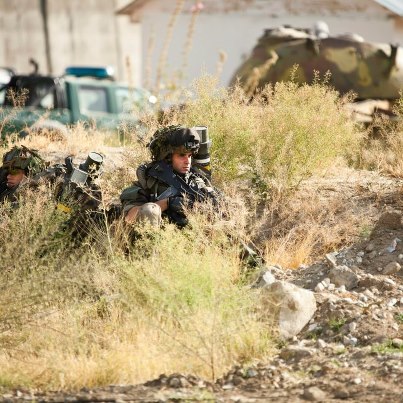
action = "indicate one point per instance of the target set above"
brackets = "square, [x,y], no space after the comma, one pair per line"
[92,99]
[130,99]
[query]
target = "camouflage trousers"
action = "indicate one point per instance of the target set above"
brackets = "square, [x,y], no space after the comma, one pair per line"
[151,213]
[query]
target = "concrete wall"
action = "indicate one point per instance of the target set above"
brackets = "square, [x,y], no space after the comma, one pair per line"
[81,32]
[21,34]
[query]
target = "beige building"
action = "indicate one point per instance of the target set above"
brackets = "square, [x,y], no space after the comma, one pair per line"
[181,40]
[171,41]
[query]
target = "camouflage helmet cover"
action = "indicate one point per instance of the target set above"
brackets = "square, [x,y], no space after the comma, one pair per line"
[24,158]
[171,139]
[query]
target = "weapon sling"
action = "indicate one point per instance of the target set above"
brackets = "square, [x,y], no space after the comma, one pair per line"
[164,173]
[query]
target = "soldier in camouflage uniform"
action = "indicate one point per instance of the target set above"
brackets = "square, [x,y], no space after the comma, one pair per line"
[168,185]
[20,164]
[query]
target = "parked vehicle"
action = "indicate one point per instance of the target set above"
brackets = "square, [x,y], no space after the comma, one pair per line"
[83,94]
[5,76]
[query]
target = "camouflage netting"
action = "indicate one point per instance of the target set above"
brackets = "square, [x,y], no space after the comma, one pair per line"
[370,70]
[170,139]
[24,158]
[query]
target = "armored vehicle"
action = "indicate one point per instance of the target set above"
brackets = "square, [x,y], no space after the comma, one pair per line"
[373,71]
[83,94]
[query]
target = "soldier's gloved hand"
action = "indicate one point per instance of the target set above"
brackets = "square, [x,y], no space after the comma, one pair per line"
[176,204]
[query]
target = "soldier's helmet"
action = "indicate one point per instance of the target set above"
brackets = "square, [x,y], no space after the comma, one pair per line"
[24,158]
[173,139]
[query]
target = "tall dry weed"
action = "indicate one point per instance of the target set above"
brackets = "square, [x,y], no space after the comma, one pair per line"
[382,147]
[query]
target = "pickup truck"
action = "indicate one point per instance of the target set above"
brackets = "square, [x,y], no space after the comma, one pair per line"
[83,94]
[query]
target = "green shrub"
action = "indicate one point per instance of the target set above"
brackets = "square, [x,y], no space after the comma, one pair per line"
[286,133]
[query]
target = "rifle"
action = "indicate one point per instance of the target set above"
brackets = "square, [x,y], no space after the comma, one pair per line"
[177,186]
[79,181]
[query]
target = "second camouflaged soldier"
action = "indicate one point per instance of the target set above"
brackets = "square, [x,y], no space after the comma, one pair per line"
[20,164]
[168,186]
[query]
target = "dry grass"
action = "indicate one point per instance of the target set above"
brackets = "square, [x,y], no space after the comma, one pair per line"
[382,151]
[91,315]
[110,310]
[79,141]
[306,227]
[382,148]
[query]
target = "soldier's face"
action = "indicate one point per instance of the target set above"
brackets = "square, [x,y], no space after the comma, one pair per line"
[14,177]
[181,162]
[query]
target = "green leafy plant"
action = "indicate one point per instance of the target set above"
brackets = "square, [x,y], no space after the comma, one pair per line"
[337,323]
[386,348]
[399,318]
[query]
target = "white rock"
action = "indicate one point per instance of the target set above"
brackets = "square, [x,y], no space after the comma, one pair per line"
[348,300]
[268,278]
[331,258]
[294,306]
[343,276]
[392,302]
[314,394]
[389,281]
[357,381]
[319,287]
[346,340]
[398,343]
[375,317]
[352,326]
[331,287]
[264,278]
[349,340]
[326,281]
[321,343]
[392,268]
[370,247]
[368,293]
[353,341]
[363,298]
